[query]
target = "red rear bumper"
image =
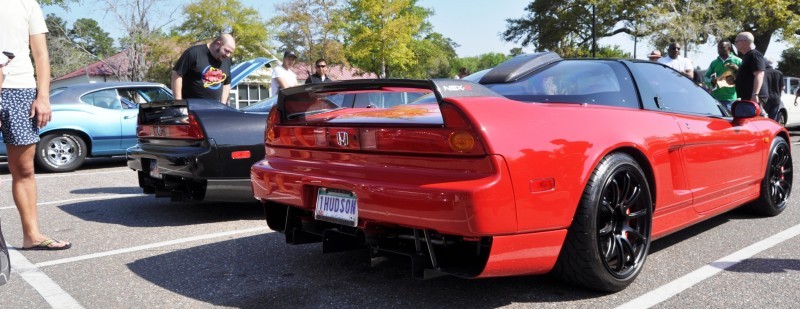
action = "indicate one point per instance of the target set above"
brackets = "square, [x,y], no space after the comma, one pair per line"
[466,196]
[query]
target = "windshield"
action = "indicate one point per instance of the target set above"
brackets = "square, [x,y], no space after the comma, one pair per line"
[262,106]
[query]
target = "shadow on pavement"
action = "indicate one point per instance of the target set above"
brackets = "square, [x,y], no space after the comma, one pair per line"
[262,271]
[764,266]
[702,227]
[147,211]
[108,190]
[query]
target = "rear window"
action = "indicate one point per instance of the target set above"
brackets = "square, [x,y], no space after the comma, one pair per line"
[302,105]
[574,81]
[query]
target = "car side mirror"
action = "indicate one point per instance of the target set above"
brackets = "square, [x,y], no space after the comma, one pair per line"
[745,109]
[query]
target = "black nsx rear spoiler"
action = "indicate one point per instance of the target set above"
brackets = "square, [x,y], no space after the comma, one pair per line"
[441,89]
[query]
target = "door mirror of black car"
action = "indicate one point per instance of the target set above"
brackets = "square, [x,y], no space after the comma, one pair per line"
[745,109]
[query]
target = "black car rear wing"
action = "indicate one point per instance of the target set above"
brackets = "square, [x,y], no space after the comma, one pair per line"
[305,97]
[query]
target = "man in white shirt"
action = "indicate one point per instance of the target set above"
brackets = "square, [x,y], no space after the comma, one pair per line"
[676,61]
[282,75]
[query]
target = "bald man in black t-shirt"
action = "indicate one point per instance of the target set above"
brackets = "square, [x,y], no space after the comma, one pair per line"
[204,71]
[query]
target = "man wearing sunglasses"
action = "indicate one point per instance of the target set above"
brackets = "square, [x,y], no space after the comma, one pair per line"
[676,61]
[320,73]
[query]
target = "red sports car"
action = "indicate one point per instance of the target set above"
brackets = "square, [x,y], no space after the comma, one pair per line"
[539,165]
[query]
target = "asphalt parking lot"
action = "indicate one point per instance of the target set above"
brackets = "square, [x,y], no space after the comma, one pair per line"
[133,250]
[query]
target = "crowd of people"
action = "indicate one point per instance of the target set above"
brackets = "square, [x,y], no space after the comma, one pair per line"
[728,78]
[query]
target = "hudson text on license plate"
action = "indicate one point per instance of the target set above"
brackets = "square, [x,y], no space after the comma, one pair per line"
[337,206]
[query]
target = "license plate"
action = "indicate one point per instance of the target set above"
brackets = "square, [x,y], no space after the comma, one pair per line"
[154,172]
[337,206]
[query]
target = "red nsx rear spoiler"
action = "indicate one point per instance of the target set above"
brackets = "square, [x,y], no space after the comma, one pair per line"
[310,99]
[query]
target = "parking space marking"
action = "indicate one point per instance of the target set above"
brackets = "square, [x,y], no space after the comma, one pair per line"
[91,198]
[152,246]
[671,289]
[46,287]
[127,170]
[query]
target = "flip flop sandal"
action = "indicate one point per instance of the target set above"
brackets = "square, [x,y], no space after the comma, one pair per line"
[45,245]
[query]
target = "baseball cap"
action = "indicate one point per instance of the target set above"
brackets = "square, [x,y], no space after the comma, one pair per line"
[289,53]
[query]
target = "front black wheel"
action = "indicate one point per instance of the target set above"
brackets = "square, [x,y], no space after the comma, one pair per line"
[777,184]
[608,241]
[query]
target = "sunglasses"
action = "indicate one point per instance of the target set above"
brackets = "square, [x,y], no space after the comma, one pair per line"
[321,66]
[674,48]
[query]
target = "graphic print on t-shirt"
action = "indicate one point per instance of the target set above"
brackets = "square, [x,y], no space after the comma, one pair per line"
[213,77]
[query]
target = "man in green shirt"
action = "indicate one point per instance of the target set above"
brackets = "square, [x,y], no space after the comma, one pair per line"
[721,74]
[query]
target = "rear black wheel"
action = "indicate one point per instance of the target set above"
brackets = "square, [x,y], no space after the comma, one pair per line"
[60,152]
[608,241]
[777,184]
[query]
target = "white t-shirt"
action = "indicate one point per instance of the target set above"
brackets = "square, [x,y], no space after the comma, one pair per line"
[680,64]
[288,76]
[20,20]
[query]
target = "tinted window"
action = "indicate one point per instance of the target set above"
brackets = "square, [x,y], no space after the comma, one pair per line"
[575,81]
[104,99]
[666,89]
[132,97]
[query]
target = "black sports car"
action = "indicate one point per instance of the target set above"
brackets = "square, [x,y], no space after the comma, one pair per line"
[200,150]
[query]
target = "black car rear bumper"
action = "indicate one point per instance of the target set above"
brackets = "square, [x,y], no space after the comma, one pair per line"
[186,174]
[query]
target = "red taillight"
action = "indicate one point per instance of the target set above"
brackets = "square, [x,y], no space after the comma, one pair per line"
[456,137]
[272,121]
[188,131]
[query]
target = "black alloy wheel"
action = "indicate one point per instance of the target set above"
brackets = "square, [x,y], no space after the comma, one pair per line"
[623,223]
[608,241]
[777,184]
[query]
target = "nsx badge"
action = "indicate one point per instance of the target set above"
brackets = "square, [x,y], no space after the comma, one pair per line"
[342,139]
[159,131]
[457,87]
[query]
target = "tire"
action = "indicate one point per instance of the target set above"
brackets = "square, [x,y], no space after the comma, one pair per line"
[60,152]
[781,118]
[777,183]
[608,241]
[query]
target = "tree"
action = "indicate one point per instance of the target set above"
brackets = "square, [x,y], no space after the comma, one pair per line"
[563,26]
[380,33]
[481,62]
[434,56]
[134,17]
[87,34]
[764,18]
[61,3]
[312,28]
[65,57]
[163,51]
[689,22]
[516,51]
[790,65]
[227,16]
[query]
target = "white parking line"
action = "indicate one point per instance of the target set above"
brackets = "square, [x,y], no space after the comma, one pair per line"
[668,290]
[155,245]
[46,287]
[91,198]
[127,170]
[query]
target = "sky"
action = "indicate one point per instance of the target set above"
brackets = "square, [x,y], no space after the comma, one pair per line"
[475,25]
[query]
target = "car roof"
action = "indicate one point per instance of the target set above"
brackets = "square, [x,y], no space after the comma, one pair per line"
[71,92]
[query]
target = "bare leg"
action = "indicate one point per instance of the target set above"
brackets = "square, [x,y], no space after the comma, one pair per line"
[23,188]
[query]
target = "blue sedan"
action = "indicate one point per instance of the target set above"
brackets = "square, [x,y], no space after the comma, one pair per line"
[92,120]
